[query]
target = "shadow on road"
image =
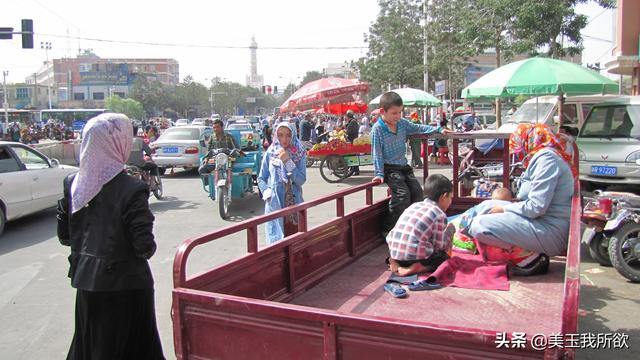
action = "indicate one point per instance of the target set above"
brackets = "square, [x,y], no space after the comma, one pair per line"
[28,231]
[171,203]
[245,208]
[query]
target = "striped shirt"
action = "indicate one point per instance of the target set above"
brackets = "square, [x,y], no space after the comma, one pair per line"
[389,147]
[420,231]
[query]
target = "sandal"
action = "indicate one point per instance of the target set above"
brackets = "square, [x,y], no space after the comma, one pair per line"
[395,290]
[422,285]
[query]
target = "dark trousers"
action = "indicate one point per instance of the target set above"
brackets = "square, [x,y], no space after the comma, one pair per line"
[405,190]
[416,160]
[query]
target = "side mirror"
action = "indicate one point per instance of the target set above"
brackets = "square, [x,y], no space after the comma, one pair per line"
[55,163]
[202,143]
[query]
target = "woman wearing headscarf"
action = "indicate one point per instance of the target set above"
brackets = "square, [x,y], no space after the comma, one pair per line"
[539,222]
[282,174]
[105,218]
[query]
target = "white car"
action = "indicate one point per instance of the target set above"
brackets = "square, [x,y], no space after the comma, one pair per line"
[29,181]
[180,147]
[182,122]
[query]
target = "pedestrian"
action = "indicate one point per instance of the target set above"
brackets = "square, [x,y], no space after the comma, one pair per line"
[389,138]
[352,127]
[305,128]
[282,174]
[415,144]
[105,218]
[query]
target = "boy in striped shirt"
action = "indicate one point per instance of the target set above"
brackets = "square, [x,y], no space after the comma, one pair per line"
[388,140]
[421,239]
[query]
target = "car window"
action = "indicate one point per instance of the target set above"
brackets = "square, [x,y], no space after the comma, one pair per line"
[570,114]
[180,134]
[7,162]
[489,119]
[585,110]
[239,127]
[531,112]
[613,121]
[30,159]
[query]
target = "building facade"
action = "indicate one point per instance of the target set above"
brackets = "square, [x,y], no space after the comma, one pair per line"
[626,53]
[30,96]
[88,80]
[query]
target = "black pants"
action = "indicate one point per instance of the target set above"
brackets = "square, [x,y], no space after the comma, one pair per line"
[151,167]
[115,325]
[405,190]
[433,261]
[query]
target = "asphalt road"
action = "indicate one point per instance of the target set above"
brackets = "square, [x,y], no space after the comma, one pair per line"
[37,302]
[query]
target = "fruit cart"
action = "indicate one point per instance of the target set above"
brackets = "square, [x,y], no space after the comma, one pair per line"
[337,158]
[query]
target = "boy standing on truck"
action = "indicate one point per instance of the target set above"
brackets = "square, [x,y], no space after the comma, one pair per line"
[421,239]
[389,138]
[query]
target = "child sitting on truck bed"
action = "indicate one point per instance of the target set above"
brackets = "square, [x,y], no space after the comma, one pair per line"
[421,240]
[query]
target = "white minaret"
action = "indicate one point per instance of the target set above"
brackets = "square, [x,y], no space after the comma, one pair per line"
[253,79]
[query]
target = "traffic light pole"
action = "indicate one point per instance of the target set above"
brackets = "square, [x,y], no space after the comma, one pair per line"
[6,104]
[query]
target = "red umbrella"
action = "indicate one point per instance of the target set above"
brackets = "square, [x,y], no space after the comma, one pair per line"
[317,93]
[341,109]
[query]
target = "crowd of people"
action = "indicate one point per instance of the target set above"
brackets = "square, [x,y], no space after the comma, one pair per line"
[36,132]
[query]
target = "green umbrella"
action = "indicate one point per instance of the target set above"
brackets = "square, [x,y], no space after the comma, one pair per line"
[539,76]
[412,97]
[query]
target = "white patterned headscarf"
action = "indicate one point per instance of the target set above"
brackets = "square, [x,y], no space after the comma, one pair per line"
[106,144]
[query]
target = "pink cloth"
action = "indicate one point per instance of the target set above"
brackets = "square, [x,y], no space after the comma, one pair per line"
[470,272]
[106,144]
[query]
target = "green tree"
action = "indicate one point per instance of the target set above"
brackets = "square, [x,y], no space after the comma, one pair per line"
[310,76]
[152,94]
[192,98]
[553,25]
[395,43]
[130,107]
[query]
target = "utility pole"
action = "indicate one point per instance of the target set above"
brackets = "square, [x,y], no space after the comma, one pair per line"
[6,103]
[35,90]
[425,7]
[47,46]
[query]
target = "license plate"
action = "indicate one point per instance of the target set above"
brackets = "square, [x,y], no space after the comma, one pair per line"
[170,150]
[604,170]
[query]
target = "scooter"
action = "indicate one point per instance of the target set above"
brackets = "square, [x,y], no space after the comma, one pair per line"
[152,180]
[219,183]
[613,231]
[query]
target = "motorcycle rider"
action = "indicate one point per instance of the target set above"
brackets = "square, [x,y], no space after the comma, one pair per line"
[138,150]
[218,140]
[352,134]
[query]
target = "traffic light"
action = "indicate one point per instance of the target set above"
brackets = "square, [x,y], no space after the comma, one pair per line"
[27,34]
[264,89]
[6,33]
[275,90]
[268,89]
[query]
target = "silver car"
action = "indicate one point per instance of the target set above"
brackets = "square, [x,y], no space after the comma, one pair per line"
[609,144]
[180,147]
[29,181]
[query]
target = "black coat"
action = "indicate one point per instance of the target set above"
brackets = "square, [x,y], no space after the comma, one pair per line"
[352,130]
[111,238]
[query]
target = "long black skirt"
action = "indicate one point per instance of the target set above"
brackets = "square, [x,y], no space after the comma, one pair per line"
[113,325]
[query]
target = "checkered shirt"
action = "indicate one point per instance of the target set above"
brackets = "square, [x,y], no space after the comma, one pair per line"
[389,148]
[419,232]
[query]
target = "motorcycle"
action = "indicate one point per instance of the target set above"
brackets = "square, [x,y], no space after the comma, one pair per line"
[152,180]
[220,184]
[613,231]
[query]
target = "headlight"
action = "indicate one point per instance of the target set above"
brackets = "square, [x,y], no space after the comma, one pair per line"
[581,155]
[633,157]
[221,159]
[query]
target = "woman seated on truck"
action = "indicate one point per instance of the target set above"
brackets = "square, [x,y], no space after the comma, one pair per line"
[539,222]
[282,174]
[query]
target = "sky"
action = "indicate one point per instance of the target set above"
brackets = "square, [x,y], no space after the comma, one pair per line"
[196,32]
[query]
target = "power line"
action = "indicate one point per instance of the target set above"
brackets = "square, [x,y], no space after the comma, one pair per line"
[595,17]
[56,14]
[596,38]
[112,41]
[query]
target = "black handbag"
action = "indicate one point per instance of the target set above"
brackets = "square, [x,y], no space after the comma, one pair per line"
[63,211]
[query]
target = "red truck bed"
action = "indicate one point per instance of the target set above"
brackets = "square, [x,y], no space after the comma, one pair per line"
[318,295]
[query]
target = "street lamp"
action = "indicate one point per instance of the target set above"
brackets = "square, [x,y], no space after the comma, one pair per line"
[47,46]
